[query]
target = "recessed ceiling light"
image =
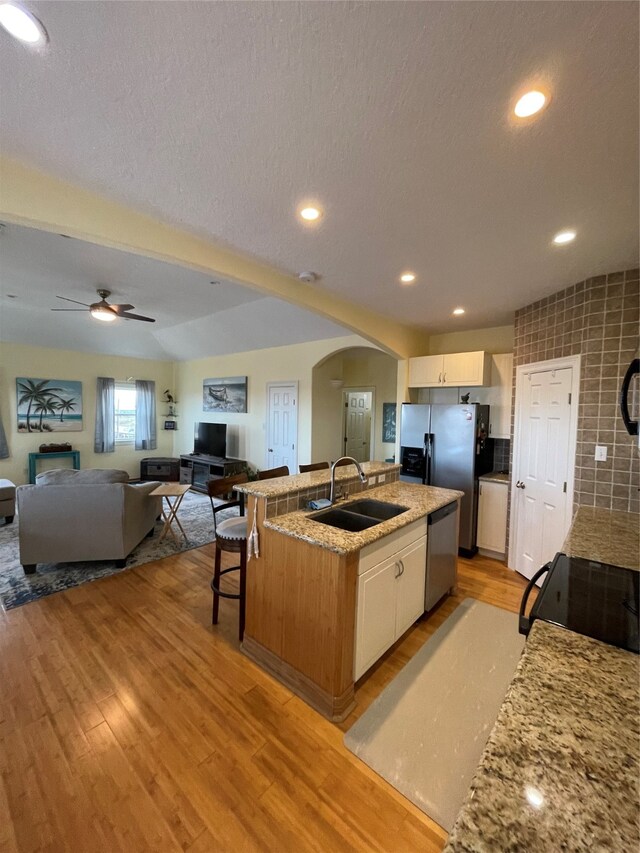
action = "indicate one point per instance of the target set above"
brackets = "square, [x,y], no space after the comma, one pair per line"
[22,25]
[458,311]
[530,104]
[310,214]
[564,237]
[407,277]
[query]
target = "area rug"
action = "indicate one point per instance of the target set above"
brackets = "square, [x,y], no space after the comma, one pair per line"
[16,588]
[426,731]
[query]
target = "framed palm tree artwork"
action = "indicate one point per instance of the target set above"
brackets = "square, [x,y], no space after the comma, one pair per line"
[49,405]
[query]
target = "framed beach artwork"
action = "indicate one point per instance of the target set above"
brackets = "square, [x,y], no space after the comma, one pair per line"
[49,405]
[225,395]
[388,422]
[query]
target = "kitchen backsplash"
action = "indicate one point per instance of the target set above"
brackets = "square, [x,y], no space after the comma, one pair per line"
[598,319]
[501,450]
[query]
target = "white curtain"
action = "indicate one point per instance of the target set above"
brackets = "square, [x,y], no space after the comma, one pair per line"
[105,416]
[4,447]
[145,415]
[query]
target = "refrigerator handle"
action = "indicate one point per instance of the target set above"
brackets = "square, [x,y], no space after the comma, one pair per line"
[428,454]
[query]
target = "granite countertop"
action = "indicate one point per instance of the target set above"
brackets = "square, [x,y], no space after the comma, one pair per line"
[299,482]
[560,769]
[419,500]
[496,477]
[606,536]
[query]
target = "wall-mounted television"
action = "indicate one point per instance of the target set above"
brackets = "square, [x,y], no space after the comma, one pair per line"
[210,439]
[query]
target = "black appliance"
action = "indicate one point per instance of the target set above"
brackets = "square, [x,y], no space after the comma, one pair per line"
[447,446]
[591,598]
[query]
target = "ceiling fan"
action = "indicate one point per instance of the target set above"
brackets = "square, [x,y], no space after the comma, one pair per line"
[103,310]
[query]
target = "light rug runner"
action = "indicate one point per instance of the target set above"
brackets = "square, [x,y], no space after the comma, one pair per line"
[16,588]
[426,731]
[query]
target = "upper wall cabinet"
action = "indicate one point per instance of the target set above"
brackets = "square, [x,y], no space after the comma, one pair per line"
[449,370]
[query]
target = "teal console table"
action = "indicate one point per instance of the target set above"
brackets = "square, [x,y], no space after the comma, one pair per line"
[74,455]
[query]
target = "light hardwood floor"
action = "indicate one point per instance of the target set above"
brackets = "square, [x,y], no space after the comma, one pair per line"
[129,723]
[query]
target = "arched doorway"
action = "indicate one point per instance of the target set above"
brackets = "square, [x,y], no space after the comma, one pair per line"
[345,376]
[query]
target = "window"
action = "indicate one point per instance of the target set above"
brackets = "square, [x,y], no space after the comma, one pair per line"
[125,412]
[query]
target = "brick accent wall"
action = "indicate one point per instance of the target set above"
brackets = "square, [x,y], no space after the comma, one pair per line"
[598,319]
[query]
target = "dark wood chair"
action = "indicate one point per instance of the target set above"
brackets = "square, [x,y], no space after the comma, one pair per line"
[231,536]
[282,471]
[314,466]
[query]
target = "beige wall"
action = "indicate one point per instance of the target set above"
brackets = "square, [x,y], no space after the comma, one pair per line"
[494,340]
[247,432]
[42,363]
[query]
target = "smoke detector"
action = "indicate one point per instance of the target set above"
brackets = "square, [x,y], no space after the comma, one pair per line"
[308,277]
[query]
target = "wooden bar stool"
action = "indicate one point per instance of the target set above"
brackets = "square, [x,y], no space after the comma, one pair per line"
[231,536]
[271,473]
[314,466]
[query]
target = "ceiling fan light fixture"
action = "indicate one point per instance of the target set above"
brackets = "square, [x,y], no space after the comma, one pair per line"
[103,313]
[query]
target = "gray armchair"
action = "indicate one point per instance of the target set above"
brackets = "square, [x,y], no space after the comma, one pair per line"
[70,516]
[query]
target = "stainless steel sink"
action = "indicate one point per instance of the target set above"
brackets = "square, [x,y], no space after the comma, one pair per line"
[344,520]
[358,515]
[375,509]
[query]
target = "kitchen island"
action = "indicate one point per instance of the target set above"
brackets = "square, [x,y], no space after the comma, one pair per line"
[560,770]
[301,597]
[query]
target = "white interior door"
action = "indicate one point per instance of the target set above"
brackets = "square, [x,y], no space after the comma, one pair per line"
[542,478]
[357,443]
[282,425]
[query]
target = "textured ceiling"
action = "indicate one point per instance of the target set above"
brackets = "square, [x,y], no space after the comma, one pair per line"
[221,117]
[194,317]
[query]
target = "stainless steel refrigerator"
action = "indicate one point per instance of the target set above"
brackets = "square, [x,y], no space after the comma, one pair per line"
[448,446]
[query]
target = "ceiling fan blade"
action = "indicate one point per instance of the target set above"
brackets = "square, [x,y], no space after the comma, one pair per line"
[84,310]
[128,316]
[66,299]
[120,309]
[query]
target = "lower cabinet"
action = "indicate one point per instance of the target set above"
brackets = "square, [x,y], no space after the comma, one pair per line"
[390,596]
[492,516]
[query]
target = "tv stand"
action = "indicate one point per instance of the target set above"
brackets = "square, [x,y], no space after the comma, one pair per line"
[196,469]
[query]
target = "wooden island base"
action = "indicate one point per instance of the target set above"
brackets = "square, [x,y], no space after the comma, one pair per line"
[323,604]
[335,708]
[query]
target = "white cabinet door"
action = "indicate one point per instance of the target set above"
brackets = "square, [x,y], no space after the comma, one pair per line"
[425,371]
[390,599]
[466,368]
[492,516]
[454,369]
[410,585]
[376,616]
[500,395]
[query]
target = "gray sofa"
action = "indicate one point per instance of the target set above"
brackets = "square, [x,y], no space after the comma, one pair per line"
[92,514]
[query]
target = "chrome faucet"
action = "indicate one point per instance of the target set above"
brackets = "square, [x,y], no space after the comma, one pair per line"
[363,476]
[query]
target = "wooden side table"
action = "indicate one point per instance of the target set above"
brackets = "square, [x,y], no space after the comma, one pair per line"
[170,510]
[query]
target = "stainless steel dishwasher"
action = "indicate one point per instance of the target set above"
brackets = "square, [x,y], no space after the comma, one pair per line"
[442,553]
